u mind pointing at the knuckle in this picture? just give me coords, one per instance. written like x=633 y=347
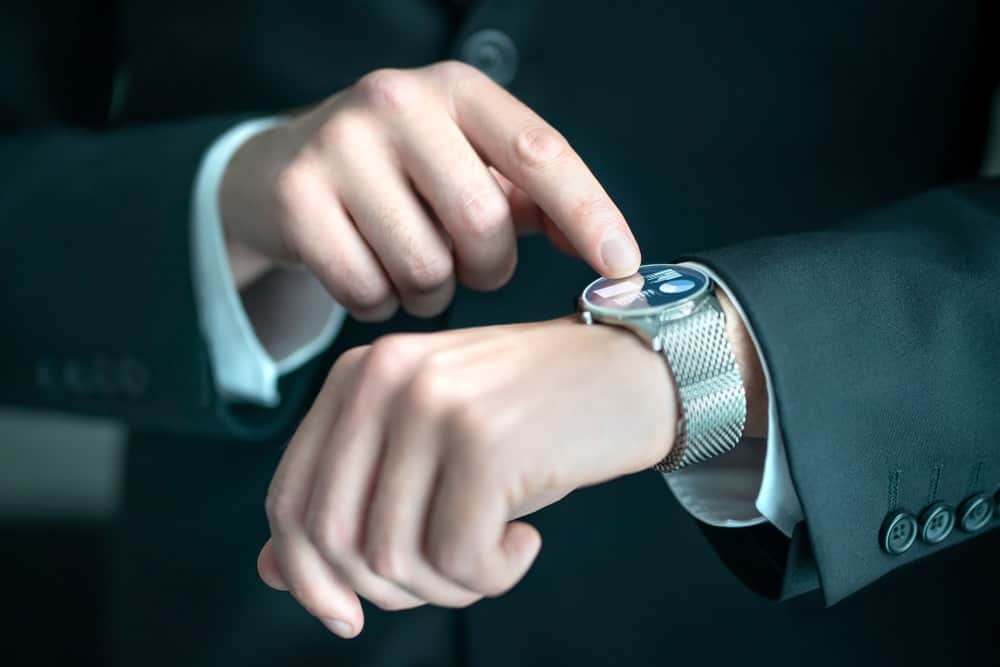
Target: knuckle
x=472 y=428
x=483 y=214
x=386 y=364
x=365 y=291
x=392 y=221
x=467 y=566
x=380 y=313
x=597 y=206
x=294 y=187
x=388 y=355
x=468 y=601
x=280 y=507
x=346 y=363
x=341 y=131
x=330 y=535
x=390 y=90
x=357 y=287
x=387 y=561
x=317 y=604
x=355 y=282
x=427 y=271
x=454 y=71
x=539 y=146
x=430 y=303
x=487 y=281
x=493 y=587
x=392 y=604
x=428 y=392
x=454 y=561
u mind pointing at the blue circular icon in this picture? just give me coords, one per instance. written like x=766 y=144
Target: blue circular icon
x=677 y=286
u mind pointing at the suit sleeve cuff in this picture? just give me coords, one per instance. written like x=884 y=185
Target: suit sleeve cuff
x=750 y=484
x=274 y=326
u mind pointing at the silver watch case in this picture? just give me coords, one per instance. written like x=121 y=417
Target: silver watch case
x=647 y=323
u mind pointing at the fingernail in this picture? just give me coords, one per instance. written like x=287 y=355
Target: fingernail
x=619 y=255
x=339 y=627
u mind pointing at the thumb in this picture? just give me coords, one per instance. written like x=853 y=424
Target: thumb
x=267 y=568
x=520 y=546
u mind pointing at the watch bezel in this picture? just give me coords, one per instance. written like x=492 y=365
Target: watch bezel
x=663 y=313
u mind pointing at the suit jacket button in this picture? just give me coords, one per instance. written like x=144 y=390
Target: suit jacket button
x=493 y=52
x=975 y=512
x=936 y=523
x=898 y=533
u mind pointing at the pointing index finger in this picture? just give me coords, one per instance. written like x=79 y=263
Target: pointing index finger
x=539 y=160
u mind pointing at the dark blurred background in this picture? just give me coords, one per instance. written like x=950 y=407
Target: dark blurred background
x=59 y=480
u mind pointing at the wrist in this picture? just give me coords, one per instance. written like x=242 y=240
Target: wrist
x=652 y=375
x=245 y=264
x=243 y=214
x=705 y=354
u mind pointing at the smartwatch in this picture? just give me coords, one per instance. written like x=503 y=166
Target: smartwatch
x=673 y=308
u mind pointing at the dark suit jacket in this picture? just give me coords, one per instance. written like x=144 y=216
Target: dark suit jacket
x=822 y=157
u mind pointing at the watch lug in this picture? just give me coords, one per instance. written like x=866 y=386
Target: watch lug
x=646 y=328
x=649 y=329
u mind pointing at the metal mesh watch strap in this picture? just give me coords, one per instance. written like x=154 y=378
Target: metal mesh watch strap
x=713 y=403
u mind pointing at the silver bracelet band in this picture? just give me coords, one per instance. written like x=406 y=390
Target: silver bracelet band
x=713 y=402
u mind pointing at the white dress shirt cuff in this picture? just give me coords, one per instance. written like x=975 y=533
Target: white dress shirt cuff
x=750 y=484
x=277 y=324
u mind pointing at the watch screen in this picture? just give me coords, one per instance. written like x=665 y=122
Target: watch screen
x=653 y=286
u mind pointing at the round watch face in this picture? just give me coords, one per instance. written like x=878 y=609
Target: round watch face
x=652 y=288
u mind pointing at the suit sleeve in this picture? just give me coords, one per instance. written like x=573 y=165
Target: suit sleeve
x=881 y=338
x=99 y=315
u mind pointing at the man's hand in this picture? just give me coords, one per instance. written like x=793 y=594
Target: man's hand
x=390 y=189
x=404 y=481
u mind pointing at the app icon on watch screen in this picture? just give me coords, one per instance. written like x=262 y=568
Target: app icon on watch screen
x=653 y=286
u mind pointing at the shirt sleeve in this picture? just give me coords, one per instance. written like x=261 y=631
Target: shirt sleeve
x=276 y=325
x=750 y=484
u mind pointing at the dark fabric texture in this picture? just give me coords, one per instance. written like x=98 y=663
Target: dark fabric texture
x=823 y=157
